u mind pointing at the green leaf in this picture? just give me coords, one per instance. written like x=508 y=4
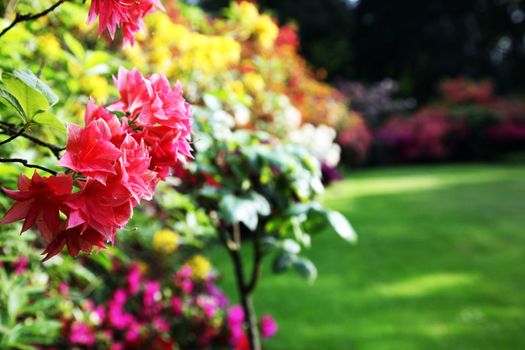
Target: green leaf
x=51 y=120
x=33 y=95
x=74 y=46
x=244 y=209
x=341 y=226
x=305 y=268
x=11 y=102
x=282 y=262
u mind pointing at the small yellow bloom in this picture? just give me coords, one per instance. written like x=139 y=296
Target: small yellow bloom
x=165 y=241
x=49 y=46
x=253 y=82
x=200 y=266
x=96 y=87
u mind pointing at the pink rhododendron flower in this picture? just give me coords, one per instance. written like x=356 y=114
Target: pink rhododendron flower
x=268 y=326
x=39 y=201
x=76 y=239
x=161 y=112
x=126 y=14
x=134 y=170
x=81 y=334
x=89 y=150
x=93 y=112
x=105 y=208
x=117 y=162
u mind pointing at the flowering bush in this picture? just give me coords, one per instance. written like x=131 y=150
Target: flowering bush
x=187 y=311
x=429 y=134
x=115 y=163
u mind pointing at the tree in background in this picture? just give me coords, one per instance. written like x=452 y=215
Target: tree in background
x=415 y=42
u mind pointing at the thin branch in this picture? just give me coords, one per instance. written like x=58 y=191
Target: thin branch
x=257 y=262
x=8 y=128
x=14 y=135
x=244 y=294
x=27 y=165
x=30 y=17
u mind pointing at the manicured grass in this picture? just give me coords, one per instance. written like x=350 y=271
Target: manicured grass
x=440 y=264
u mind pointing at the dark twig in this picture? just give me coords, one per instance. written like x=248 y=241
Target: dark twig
x=26 y=164
x=242 y=287
x=257 y=262
x=8 y=128
x=14 y=135
x=30 y=17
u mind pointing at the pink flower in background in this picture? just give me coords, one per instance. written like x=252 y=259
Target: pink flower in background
x=20 y=265
x=63 y=289
x=134 y=279
x=208 y=305
x=161 y=324
x=39 y=201
x=151 y=293
x=126 y=14
x=235 y=320
x=81 y=334
x=133 y=333
x=176 y=305
x=268 y=327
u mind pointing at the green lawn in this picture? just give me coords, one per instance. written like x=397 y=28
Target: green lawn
x=440 y=264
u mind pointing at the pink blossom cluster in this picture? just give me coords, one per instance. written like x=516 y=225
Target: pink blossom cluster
x=128 y=15
x=140 y=313
x=113 y=163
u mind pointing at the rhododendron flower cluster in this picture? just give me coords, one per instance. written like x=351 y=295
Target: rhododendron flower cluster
x=114 y=163
x=126 y=14
x=189 y=311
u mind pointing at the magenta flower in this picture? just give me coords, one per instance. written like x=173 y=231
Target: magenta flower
x=81 y=334
x=63 y=289
x=177 y=305
x=126 y=14
x=151 y=293
x=134 y=279
x=20 y=265
x=133 y=333
x=235 y=320
x=268 y=327
x=208 y=305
